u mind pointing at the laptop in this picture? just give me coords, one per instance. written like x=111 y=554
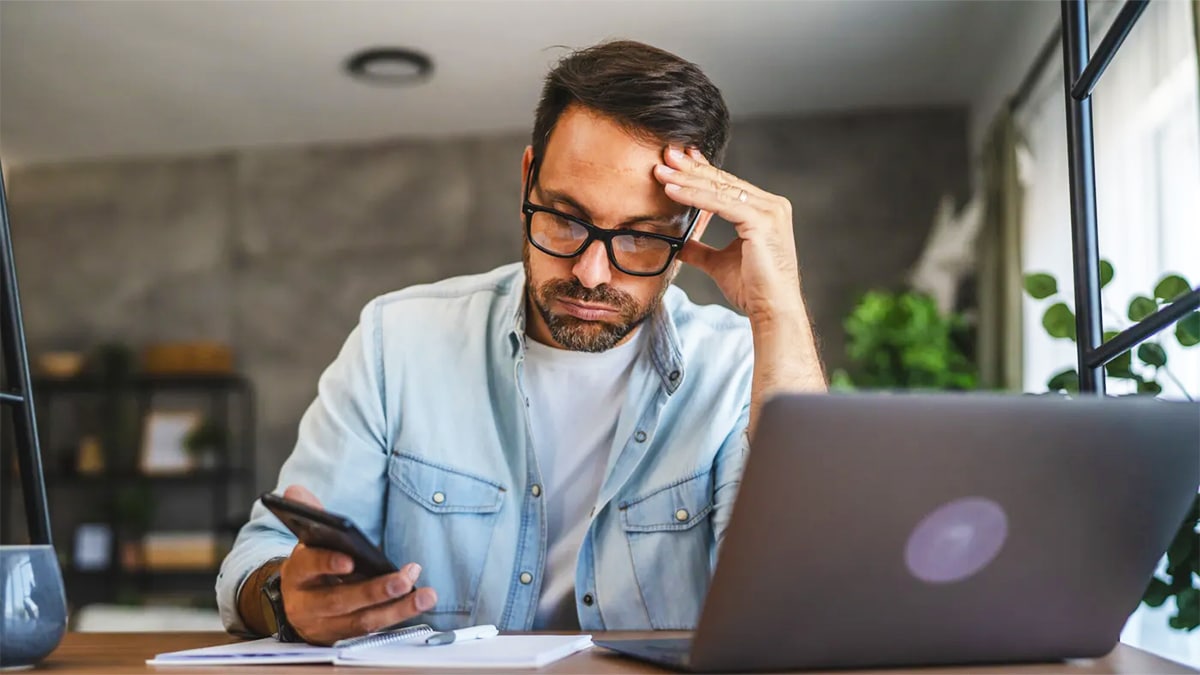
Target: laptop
x=913 y=530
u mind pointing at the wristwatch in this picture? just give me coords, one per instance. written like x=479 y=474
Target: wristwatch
x=272 y=609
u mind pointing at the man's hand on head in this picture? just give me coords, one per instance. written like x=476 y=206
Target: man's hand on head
x=757 y=272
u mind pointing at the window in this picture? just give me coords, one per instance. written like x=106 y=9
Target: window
x=1147 y=128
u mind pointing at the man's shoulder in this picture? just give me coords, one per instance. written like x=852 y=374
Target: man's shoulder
x=452 y=295
x=705 y=322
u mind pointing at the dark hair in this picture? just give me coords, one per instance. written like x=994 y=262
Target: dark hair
x=649 y=91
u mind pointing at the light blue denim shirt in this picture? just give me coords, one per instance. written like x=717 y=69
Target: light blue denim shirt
x=420 y=434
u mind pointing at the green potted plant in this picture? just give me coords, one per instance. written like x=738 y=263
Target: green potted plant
x=1146 y=373
x=207 y=442
x=899 y=340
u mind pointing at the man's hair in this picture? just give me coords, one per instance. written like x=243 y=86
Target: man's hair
x=652 y=93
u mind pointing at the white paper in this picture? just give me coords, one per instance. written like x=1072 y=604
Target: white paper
x=506 y=651
x=254 y=652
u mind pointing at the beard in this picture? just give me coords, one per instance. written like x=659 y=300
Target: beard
x=582 y=335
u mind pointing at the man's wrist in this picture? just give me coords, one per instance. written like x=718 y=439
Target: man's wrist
x=782 y=321
x=249 y=602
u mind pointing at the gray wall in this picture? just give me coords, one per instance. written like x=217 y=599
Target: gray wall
x=275 y=251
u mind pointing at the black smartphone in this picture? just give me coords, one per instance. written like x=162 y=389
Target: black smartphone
x=323 y=529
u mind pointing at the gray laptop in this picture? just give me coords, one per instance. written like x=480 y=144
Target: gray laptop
x=898 y=530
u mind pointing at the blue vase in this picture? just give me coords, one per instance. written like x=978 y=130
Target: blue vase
x=34 y=605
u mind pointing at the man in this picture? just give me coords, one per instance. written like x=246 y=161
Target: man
x=556 y=444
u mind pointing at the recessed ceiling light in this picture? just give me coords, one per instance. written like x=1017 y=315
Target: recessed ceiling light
x=390 y=65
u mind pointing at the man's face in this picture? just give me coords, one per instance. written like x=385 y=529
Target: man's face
x=596 y=171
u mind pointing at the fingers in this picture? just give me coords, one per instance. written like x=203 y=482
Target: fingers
x=348 y=598
x=371 y=619
x=302 y=494
x=694 y=164
x=323 y=614
x=309 y=566
x=690 y=180
x=724 y=203
x=699 y=254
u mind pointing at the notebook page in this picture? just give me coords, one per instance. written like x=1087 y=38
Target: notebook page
x=254 y=652
x=506 y=651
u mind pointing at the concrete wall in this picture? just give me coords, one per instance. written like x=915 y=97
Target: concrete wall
x=276 y=251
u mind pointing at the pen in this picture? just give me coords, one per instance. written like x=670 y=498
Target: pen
x=473 y=633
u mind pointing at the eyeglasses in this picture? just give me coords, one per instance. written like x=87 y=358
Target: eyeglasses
x=634 y=252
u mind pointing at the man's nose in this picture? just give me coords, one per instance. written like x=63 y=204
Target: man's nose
x=592 y=267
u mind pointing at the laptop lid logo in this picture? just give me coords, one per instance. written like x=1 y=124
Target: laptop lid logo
x=956 y=540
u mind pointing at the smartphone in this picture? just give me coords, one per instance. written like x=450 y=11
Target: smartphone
x=323 y=529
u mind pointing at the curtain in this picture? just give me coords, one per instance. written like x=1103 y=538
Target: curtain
x=998 y=286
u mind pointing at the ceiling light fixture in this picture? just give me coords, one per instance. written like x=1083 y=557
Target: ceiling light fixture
x=390 y=66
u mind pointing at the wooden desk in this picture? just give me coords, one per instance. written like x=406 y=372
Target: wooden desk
x=110 y=653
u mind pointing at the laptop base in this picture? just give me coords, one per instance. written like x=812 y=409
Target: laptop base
x=670 y=652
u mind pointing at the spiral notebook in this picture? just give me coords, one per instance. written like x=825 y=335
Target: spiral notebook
x=402 y=648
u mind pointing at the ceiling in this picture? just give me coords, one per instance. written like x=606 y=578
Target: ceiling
x=102 y=79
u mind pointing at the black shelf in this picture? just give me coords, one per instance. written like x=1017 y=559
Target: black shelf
x=205 y=574
x=156 y=383
x=211 y=499
x=201 y=477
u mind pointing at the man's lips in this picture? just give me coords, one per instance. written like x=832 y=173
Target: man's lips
x=586 y=311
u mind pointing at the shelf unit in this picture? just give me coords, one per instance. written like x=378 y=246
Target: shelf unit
x=209 y=500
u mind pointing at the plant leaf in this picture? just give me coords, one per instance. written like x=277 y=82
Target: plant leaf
x=1141 y=307
x=1156 y=593
x=1188 y=597
x=1040 y=285
x=1121 y=367
x=1106 y=273
x=1182 y=547
x=1170 y=287
x=1184 y=623
x=1067 y=380
x=1059 y=321
x=841 y=381
x=1149 y=387
x=1152 y=354
x=1187 y=330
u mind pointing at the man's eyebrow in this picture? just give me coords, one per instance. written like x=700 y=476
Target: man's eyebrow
x=650 y=219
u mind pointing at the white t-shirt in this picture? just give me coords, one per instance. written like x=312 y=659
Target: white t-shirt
x=575 y=399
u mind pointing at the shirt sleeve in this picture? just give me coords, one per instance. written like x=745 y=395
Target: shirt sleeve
x=731 y=460
x=340 y=455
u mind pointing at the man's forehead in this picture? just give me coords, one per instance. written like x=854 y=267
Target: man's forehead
x=585 y=143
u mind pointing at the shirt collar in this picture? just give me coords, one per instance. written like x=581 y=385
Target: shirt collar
x=664 y=349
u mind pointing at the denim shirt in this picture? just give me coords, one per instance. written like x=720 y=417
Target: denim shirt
x=420 y=434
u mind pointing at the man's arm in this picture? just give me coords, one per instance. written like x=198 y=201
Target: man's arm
x=785 y=358
x=340 y=456
x=758 y=272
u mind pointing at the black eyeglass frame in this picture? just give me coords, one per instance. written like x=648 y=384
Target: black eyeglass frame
x=599 y=233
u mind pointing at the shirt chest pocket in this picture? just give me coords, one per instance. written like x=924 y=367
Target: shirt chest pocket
x=442 y=518
x=670 y=542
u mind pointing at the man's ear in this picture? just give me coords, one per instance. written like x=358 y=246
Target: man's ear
x=526 y=161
